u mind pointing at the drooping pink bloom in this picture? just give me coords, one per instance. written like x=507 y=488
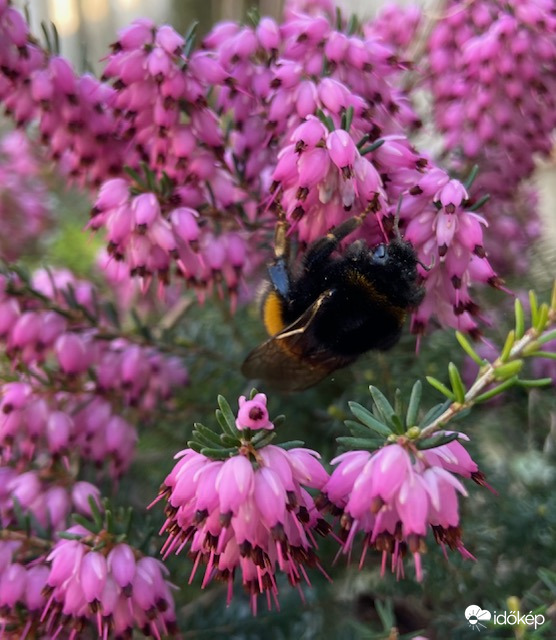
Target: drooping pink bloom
x=394 y=495
x=103 y=375
x=251 y=512
x=113 y=588
x=24 y=204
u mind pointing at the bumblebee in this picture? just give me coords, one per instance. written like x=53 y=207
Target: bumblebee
x=333 y=308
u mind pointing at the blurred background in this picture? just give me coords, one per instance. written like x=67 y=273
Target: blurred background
x=89 y=26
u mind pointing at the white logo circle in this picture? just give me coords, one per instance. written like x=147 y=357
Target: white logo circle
x=475 y=616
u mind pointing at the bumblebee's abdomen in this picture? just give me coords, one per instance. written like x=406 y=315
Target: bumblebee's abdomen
x=273 y=313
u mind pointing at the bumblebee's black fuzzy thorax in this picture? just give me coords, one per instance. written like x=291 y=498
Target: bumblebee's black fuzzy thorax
x=335 y=307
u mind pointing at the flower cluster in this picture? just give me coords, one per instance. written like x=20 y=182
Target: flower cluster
x=71 y=397
x=88 y=583
x=68 y=329
x=74 y=384
x=44 y=496
x=395 y=494
x=74 y=120
x=21 y=590
x=24 y=207
x=250 y=512
x=107 y=588
x=492 y=71
x=155 y=83
x=149 y=235
x=397 y=25
x=321 y=175
x=197 y=195
x=449 y=239
x=235 y=501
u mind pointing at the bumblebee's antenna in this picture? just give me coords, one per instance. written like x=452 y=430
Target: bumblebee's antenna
x=396 y=226
x=431 y=265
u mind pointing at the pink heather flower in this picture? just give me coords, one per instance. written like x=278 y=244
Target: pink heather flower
x=35 y=419
x=250 y=512
x=449 y=239
x=72 y=353
x=81 y=494
x=395 y=24
x=395 y=494
x=253 y=414
x=342 y=150
x=48 y=500
x=21 y=585
x=319 y=184
x=109 y=590
x=24 y=204
x=489 y=86
x=493 y=102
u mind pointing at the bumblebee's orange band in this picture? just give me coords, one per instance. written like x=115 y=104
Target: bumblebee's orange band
x=272 y=314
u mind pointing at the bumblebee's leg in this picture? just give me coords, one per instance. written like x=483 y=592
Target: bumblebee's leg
x=321 y=249
x=279 y=277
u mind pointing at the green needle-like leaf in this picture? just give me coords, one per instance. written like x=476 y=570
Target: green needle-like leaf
x=207 y=433
x=372 y=147
x=519 y=319
x=204 y=441
x=439 y=386
x=457 y=383
x=433 y=413
x=468 y=348
x=508 y=370
x=491 y=393
x=228 y=416
x=534 y=305
x=436 y=441
x=385 y=409
x=551 y=355
x=85 y=522
x=95 y=512
x=471 y=177
x=357 y=429
x=266 y=438
x=367 y=418
x=532 y=384
x=510 y=341
x=347 y=118
x=547 y=337
x=291 y=444
x=414 y=403
x=218 y=454
x=364 y=444
x=542 y=319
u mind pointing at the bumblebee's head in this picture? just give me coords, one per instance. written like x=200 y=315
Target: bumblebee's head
x=393 y=270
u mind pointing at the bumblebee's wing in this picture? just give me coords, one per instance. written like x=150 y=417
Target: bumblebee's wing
x=293 y=359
